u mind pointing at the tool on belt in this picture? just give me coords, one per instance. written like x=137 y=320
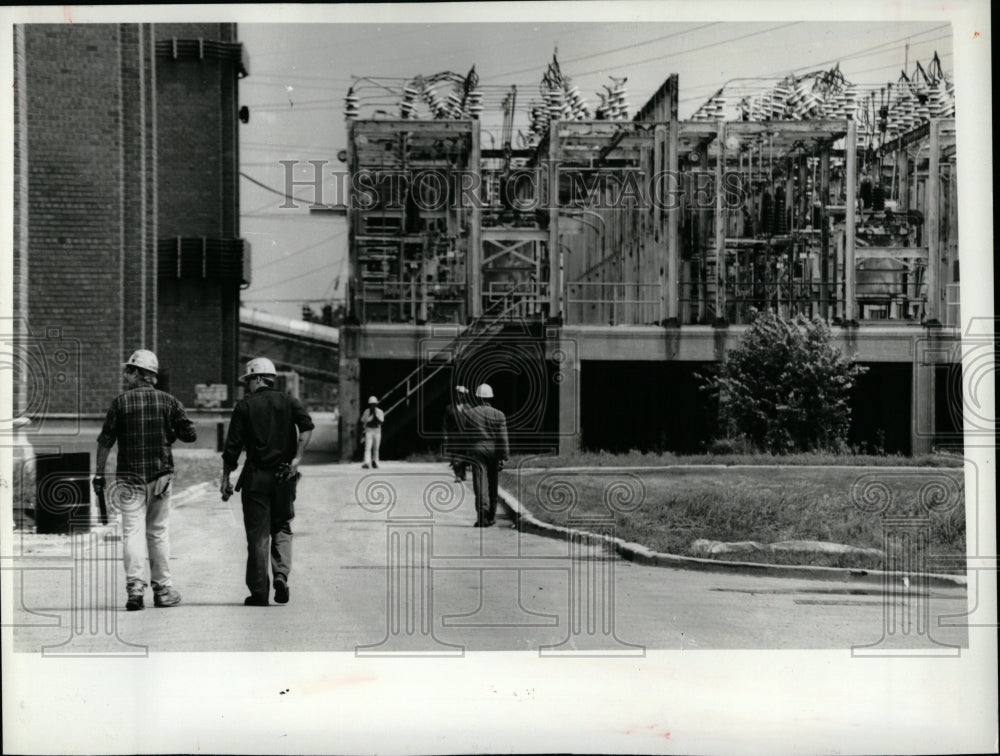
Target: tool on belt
x=101 y=501
x=287 y=482
x=283 y=474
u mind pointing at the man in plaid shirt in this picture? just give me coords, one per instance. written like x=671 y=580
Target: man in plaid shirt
x=144 y=422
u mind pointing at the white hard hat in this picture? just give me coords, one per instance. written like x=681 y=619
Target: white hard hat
x=143 y=358
x=461 y=390
x=373 y=399
x=484 y=391
x=259 y=366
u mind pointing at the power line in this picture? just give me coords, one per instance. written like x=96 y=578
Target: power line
x=312 y=272
x=303 y=300
x=280 y=193
x=285 y=215
x=300 y=251
x=859 y=54
x=607 y=52
x=317 y=107
x=690 y=50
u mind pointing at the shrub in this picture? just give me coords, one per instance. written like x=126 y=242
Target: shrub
x=785 y=387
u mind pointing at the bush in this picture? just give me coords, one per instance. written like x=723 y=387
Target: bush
x=785 y=387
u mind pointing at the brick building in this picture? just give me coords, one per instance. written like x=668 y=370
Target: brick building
x=126 y=209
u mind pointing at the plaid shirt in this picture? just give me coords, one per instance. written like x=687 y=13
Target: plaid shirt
x=145 y=422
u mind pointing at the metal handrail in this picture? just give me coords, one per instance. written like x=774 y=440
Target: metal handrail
x=489 y=317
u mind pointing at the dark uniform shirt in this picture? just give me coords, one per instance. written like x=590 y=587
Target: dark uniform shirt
x=488 y=431
x=264 y=424
x=145 y=422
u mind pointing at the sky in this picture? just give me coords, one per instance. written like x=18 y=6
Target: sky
x=299 y=74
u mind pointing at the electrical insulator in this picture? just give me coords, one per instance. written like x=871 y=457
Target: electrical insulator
x=351 y=110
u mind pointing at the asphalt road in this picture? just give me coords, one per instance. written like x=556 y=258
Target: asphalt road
x=387 y=562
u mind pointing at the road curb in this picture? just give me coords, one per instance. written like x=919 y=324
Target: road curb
x=635 y=552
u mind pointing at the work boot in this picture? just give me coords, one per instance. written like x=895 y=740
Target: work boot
x=280 y=590
x=135 y=597
x=166 y=597
x=255 y=601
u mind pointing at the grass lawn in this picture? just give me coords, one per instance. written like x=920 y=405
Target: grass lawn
x=652 y=459
x=676 y=507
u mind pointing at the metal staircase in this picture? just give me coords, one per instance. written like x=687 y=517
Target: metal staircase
x=493 y=320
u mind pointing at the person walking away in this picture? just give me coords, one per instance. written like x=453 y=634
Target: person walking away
x=453 y=430
x=489 y=451
x=144 y=422
x=273 y=429
x=372 y=419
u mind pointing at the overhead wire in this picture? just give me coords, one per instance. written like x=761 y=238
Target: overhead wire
x=301 y=251
x=290 y=197
x=311 y=272
x=598 y=54
x=875 y=50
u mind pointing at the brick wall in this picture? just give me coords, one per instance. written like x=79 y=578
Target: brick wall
x=115 y=149
x=87 y=256
x=198 y=170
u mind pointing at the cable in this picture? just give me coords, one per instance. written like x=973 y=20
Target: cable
x=312 y=272
x=859 y=54
x=280 y=193
x=607 y=52
x=304 y=300
x=299 y=251
x=690 y=50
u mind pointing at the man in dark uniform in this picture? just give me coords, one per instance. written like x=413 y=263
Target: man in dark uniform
x=488 y=449
x=264 y=424
x=453 y=429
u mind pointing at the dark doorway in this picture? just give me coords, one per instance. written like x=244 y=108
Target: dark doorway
x=881 y=409
x=523 y=382
x=646 y=406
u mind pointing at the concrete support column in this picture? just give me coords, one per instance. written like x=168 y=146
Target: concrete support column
x=349 y=392
x=570 y=430
x=922 y=412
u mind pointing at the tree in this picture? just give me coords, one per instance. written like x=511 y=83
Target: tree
x=785 y=386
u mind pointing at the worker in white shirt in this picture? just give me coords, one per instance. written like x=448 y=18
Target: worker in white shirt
x=371 y=420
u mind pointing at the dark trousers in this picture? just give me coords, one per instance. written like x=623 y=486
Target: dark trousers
x=487 y=465
x=269 y=532
x=458 y=459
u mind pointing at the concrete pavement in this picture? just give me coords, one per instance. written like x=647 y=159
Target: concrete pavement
x=386 y=562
